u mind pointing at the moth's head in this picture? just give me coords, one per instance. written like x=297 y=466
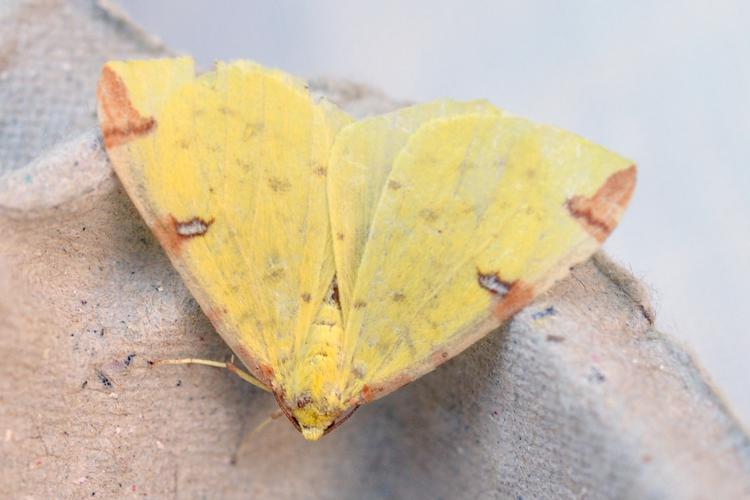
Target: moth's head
x=314 y=419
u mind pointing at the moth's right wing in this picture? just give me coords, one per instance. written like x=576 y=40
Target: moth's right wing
x=480 y=213
x=361 y=160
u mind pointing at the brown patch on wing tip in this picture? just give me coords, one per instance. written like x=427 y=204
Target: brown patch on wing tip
x=599 y=214
x=172 y=233
x=519 y=296
x=120 y=121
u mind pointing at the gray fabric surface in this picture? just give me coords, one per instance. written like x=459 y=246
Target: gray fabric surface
x=51 y=53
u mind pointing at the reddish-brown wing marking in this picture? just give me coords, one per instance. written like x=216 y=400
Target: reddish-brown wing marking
x=510 y=297
x=600 y=213
x=120 y=121
x=172 y=233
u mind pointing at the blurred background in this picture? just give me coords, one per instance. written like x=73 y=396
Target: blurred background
x=664 y=83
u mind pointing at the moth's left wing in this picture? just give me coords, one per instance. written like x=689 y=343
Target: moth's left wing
x=228 y=169
x=480 y=214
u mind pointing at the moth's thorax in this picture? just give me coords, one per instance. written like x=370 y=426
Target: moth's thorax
x=311 y=382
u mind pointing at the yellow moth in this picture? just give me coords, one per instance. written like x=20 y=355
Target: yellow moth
x=342 y=259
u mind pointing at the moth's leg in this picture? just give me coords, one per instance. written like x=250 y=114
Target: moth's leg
x=229 y=365
x=248 y=437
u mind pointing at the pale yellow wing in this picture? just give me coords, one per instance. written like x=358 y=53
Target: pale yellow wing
x=228 y=169
x=361 y=160
x=479 y=215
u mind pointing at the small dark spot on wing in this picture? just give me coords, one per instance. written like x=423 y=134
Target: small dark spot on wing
x=493 y=283
x=323 y=322
x=193 y=227
x=251 y=129
x=332 y=297
x=279 y=185
x=428 y=215
x=358 y=372
x=274 y=274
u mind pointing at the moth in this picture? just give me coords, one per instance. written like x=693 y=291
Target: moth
x=342 y=259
